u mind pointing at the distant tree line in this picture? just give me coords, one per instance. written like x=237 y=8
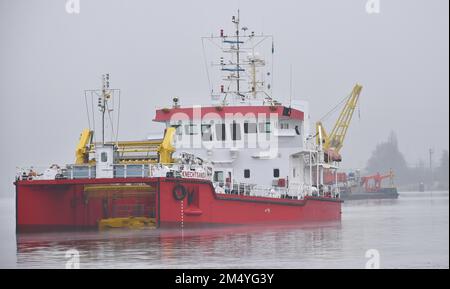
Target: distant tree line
x=387 y=156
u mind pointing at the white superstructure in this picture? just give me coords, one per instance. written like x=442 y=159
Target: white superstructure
x=253 y=141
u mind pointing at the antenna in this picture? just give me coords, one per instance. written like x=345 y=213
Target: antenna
x=239 y=64
x=238 y=52
x=103 y=102
x=108 y=103
x=290 y=87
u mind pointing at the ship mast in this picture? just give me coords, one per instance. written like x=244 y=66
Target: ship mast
x=108 y=104
x=242 y=65
x=238 y=52
x=103 y=102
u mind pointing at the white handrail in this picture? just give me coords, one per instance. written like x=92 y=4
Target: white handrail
x=87 y=171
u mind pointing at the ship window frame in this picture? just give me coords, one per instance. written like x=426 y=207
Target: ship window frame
x=210 y=133
x=178 y=129
x=284 y=125
x=276 y=173
x=103 y=157
x=247 y=174
x=235 y=130
x=265 y=127
x=250 y=127
x=191 y=129
x=220 y=127
x=216 y=178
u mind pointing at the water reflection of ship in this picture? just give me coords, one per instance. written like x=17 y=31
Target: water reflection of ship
x=421 y=187
x=169 y=247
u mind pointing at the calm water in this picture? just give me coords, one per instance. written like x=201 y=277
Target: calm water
x=411 y=232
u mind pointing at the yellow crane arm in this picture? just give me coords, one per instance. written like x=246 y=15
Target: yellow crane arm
x=333 y=142
x=166 y=148
x=321 y=133
x=81 y=151
x=337 y=135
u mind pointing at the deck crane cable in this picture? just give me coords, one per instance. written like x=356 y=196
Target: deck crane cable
x=87 y=109
x=112 y=123
x=359 y=110
x=206 y=66
x=93 y=118
x=335 y=108
x=118 y=121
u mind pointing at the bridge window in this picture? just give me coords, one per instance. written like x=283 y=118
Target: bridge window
x=191 y=129
x=264 y=127
x=220 y=132
x=247 y=173
x=250 y=127
x=206 y=132
x=178 y=129
x=235 y=131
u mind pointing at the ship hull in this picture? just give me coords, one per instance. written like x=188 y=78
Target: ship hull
x=383 y=193
x=81 y=204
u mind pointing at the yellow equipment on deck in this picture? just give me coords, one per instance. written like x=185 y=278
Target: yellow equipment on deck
x=117 y=192
x=81 y=152
x=130 y=152
x=166 y=148
x=333 y=142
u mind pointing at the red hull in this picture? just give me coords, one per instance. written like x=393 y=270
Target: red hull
x=57 y=204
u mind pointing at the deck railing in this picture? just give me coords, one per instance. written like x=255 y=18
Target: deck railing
x=119 y=171
x=293 y=191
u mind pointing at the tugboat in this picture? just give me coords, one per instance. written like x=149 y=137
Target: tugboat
x=244 y=159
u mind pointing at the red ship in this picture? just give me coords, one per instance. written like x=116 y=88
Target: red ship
x=245 y=159
x=64 y=204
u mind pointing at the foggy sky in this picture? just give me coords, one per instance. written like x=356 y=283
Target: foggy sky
x=152 y=49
